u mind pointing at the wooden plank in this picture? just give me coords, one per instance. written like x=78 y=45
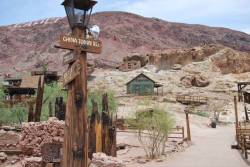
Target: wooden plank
x=69 y=58
x=12 y=152
x=87 y=45
x=49 y=165
x=72 y=73
x=51 y=152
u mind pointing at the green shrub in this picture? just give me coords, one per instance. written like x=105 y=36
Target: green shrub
x=51 y=92
x=153 y=128
x=97 y=96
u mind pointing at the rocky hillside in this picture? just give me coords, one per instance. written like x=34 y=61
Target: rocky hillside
x=28 y=46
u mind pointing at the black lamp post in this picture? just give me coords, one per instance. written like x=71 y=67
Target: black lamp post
x=78 y=12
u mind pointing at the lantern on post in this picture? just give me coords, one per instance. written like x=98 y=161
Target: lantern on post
x=78 y=12
x=75 y=147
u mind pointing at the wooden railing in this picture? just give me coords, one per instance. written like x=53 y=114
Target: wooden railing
x=243 y=137
x=176 y=133
x=187 y=99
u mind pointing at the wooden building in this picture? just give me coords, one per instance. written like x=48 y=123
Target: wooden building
x=130 y=65
x=246 y=94
x=49 y=76
x=143 y=85
x=20 y=88
x=241 y=89
x=13 y=81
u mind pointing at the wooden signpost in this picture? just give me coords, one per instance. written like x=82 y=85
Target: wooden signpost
x=72 y=73
x=89 y=45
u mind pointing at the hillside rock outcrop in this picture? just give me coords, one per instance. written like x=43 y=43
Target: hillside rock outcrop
x=230 y=61
x=22 y=46
x=167 y=59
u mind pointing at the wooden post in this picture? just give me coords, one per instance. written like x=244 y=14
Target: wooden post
x=112 y=134
x=236 y=112
x=31 y=113
x=75 y=148
x=108 y=129
x=39 y=99
x=60 y=108
x=105 y=125
x=188 y=125
x=50 y=109
x=236 y=119
x=98 y=128
x=247 y=117
x=92 y=129
x=182 y=131
x=56 y=107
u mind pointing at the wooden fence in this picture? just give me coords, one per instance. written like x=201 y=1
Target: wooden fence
x=187 y=99
x=176 y=133
x=243 y=137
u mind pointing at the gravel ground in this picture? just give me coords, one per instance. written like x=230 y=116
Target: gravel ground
x=210 y=148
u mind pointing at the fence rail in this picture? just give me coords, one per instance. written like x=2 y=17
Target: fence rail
x=176 y=133
x=187 y=99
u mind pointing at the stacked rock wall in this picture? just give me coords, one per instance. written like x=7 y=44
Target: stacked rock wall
x=34 y=135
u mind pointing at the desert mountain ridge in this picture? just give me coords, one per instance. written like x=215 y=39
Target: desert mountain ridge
x=27 y=46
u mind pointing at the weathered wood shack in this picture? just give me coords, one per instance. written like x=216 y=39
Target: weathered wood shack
x=142 y=85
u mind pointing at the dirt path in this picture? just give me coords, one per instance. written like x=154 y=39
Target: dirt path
x=211 y=148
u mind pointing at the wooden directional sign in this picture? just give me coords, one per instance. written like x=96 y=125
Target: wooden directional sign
x=69 y=58
x=88 y=45
x=72 y=73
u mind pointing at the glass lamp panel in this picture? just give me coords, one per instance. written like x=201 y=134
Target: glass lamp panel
x=70 y=13
x=79 y=17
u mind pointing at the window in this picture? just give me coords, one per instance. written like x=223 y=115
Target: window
x=129 y=66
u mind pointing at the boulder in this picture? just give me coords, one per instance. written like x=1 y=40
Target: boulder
x=102 y=160
x=3 y=157
x=194 y=80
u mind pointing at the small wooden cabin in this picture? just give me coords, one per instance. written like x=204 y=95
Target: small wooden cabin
x=142 y=85
x=49 y=76
x=21 y=88
x=130 y=65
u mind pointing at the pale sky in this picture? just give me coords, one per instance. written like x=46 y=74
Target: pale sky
x=234 y=14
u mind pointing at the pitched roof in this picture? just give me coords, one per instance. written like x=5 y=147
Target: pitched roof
x=141 y=74
x=13 y=79
x=30 y=82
